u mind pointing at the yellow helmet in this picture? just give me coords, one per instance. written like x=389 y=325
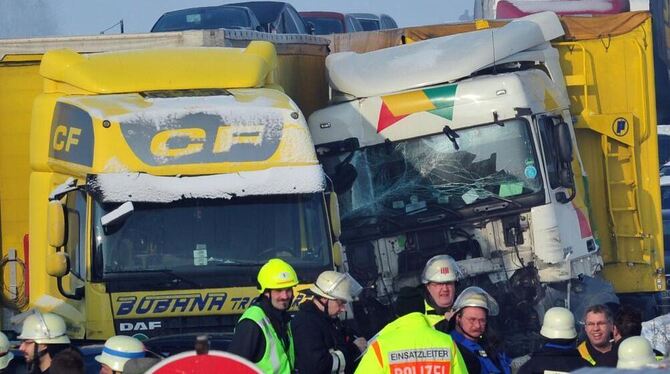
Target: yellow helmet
x=276 y=274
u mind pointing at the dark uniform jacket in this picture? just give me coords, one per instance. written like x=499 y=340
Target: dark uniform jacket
x=607 y=359
x=314 y=334
x=249 y=341
x=554 y=356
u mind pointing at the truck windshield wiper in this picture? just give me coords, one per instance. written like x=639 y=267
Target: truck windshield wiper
x=176 y=278
x=373 y=220
x=233 y=262
x=502 y=204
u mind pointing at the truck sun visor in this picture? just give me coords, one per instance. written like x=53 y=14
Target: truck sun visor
x=121 y=187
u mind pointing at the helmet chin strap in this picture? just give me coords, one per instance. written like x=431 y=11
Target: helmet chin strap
x=462 y=330
x=34 y=365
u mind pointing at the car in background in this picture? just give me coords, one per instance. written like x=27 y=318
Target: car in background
x=665 y=169
x=326 y=23
x=372 y=22
x=276 y=17
x=211 y=17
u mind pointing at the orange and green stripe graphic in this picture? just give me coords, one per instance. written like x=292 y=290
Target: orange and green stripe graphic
x=438 y=101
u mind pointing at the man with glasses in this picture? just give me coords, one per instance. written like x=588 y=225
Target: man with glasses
x=321 y=343
x=597 y=348
x=469 y=329
x=439 y=278
x=42 y=337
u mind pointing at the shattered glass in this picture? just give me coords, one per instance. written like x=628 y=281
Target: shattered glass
x=493 y=163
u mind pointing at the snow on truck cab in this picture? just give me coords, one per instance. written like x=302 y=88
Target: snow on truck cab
x=466 y=144
x=170 y=176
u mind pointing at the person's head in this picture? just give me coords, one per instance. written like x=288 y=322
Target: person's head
x=472 y=308
x=67 y=361
x=276 y=280
x=332 y=291
x=439 y=276
x=627 y=323
x=598 y=325
x=42 y=335
x=117 y=351
x=558 y=323
x=634 y=353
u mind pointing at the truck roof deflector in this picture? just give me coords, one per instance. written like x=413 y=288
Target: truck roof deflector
x=438 y=60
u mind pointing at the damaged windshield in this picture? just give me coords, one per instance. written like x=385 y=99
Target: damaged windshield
x=411 y=178
x=198 y=238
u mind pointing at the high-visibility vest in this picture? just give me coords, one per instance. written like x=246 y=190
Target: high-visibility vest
x=410 y=344
x=429 y=312
x=584 y=352
x=276 y=359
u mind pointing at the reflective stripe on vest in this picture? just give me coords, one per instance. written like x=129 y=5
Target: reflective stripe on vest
x=339 y=362
x=584 y=352
x=275 y=359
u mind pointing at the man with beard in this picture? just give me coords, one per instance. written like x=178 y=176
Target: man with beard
x=439 y=278
x=597 y=348
x=321 y=344
x=468 y=328
x=263 y=335
x=42 y=337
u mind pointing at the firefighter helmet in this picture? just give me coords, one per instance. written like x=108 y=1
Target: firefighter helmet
x=276 y=274
x=44 y=328
x=440 y=269
x=559 y=323
x=118 y=350
x=336 y=286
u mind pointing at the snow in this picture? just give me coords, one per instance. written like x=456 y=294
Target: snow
x=657 y=331
x=437 y=60
x=122 y=187
x=562 y=6
x=663 y=130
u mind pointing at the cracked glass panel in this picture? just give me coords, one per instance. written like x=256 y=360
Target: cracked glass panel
x=493 y=164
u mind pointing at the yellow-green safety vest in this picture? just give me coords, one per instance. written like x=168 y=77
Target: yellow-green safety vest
x=410 y=344
x=434 y=319
x=276 y=359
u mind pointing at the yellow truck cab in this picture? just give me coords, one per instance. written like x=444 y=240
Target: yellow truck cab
x=161 y=180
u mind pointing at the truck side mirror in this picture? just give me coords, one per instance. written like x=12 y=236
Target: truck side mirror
x=56 y=224
x=58 y=264
x=334 y=210
x=564 y=141
x=338 y=257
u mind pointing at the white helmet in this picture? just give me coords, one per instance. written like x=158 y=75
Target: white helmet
x=477 y=297
x=336 y=286
x=4 y=351
x=634 y=353
x=44 y=328
x=440 y=269
x=119 y=349
x=559 y=323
